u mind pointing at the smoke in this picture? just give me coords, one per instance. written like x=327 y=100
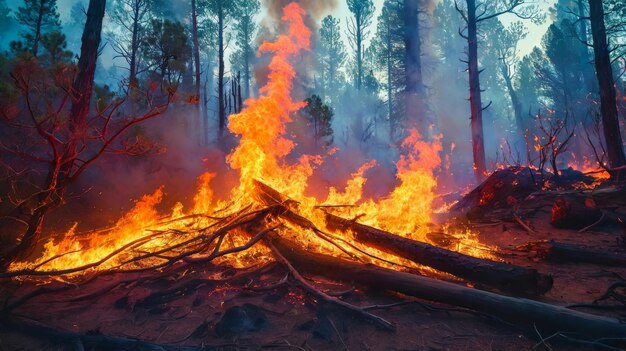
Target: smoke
x=315 y=10
x=272 y=26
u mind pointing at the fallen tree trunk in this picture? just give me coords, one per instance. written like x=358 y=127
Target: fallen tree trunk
x=574 y=213
x=556 y=251
x=522 y=312
x=507 y=277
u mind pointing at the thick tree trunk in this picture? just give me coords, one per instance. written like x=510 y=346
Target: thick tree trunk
x=528 y=314
x=83 y=84
x=476 y=107
x=220 y=69
x=604 y=73
x=504 y=276
x=414 y=89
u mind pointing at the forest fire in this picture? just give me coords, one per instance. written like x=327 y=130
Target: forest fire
x=143 y=234
x=291 y=237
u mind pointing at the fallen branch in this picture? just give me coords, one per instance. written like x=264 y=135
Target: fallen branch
x=522 y=223
x=313 y=290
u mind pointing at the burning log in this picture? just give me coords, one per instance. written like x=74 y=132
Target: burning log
x=574 y=213
x=519 y=311
x=504 y=276
x=552 y=250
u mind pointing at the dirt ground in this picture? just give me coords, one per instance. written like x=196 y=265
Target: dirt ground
x=226 y=309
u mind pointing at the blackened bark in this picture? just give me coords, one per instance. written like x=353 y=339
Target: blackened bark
x=604 y=73
x=476 y=107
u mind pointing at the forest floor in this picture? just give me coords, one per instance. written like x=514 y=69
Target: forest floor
x=226 y=309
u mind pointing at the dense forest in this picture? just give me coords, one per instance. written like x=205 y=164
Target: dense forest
x=409 y=104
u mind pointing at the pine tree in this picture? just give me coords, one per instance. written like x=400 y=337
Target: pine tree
x=221 y=12
x=320 y=117
x=388 y=48
x=131 y=16
x=38 y=17
x=358 y=31
x=243 y=58
x=332 y=56
x=166 y=47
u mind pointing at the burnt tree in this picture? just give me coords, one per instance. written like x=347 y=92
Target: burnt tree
x=473 y=14
x=604 y=73
x=60 y=169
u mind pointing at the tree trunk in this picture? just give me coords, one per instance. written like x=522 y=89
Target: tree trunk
x=197 y=123
x=413 y=65
x=528 y=314
x=220 y=73
x=604 y=73
x=134 y=46
x=584 y=50
x=515 y=102
x=388 y=49
x=476 y=107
